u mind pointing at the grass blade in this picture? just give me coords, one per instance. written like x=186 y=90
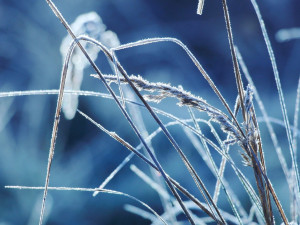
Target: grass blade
x=107 y=191
x=130 y=148
x=55 y=128
x=65 y=24
x=280 y=92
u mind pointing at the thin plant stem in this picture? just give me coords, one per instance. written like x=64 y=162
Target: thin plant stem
x=140 y=155
x=68 y=28
x=280 y=92
x=107 y=191
x=55 y=129
x=194 y=60
x=215 y=170
x=190 y=168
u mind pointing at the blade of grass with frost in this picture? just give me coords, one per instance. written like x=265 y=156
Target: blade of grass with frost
x=190 y=168
x=254 y=128
x=247 y=186
x=194 y=60
x=232 y=199
x=270 y=186
x=236 y=68
x=107 y=191
x=241 y=100
x=125 y=113
x=294 y=206
x=134 y=111
x=199 y=183
x=280 y=92
x=128 y=158
x=242 y=178
x=55 y=129
x=107 y=96
x=185 y=99
x=265 y=115
x=51 y=92
x=121 y=69
x=86 y=93
x=228 y=192
x=8 y=94
x=214 y=167
x=55 y=126
x=226 y=148
x=296 y=119
x=270 y=127
x=65 y=24
x=97 y=94
x=177 y=121
x=268 y=122
x=169 y=91
x=244 y=181
x=265 y=200
x=129 y=147
x=136 y=115
x=210 y=163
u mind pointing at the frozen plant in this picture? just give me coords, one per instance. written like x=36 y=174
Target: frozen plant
x=89 y=24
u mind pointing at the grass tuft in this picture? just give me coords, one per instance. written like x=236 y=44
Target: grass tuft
x=216 y=134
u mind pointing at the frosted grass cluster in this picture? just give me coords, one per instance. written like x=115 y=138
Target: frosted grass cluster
x=245 y=133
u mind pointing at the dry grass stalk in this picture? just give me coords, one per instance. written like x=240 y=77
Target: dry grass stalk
x=251 y=144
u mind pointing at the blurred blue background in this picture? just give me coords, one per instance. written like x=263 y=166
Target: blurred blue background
x=30 y=38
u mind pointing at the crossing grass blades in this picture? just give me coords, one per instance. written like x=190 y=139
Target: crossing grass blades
x=245 y=134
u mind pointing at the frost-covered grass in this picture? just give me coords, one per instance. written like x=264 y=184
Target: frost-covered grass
x=216 y=134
